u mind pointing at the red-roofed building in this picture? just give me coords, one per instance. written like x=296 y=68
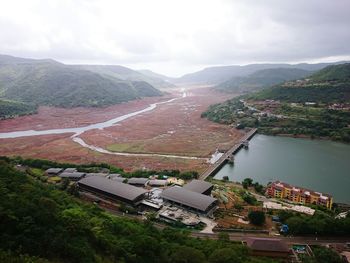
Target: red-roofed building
x=267 y=247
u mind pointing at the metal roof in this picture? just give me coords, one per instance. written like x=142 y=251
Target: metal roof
x=113 y=187
x=137 y=180
x=53 y=170
x=267 y=244
x=186 y=197
x=198 y=186
x=70 y=170
x=157 y=182
x=71 y=175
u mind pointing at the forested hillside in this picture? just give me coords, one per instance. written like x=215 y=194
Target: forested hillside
x=47 y=82
x=42 y=223
x=261 y=79
x=329 y=85
x=10 y=108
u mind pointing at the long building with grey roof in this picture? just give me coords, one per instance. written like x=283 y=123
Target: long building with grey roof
x=195 y=201
x=112 y=189
x=75 y=176
x=199 y=186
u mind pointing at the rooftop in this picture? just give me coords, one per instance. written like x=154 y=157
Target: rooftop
x=71 y=175
x=198 y=186
x=53 y=170
x=188 y=198
x=158 y=182
x=267 y=244
x=136 y=180
x=113 y=187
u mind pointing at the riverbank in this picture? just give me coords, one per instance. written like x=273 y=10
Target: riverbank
x=275 y=117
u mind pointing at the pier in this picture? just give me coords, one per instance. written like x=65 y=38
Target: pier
x=229 y=155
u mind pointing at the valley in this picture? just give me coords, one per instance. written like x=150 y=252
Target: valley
x=174 y=128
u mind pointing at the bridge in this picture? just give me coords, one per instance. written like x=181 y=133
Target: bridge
x=228 y=155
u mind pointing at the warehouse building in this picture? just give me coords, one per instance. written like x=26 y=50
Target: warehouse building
x=136 y=181
x=197 y=202
x=199 y=186
x=53 y=171
x=112 y=189
x=157 y=183
x=75 y=176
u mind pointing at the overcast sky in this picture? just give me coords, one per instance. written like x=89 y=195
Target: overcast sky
x=178 y=36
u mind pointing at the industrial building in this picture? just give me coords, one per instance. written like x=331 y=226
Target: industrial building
x=199 y=186
x=191 y=200
x=75 y=176
x=138 y=181
x=53 y=171
x=112 y=189
x=157 y=183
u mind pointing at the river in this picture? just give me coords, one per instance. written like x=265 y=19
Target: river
x=322 y=166
x=79 y=130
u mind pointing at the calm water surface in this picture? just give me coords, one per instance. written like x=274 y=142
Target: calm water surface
x=319 y=165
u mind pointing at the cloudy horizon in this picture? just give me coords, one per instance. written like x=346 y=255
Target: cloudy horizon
x=176 y=37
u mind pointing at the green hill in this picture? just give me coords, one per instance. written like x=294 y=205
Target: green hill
x=46 y=82
x=329 y=85
x=10 y=109
x=261 y=79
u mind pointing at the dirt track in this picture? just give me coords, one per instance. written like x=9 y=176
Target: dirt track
x=175 y=128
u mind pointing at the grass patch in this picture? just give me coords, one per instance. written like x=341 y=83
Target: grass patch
x=136 y=147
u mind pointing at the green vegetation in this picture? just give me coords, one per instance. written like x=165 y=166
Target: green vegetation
x=261 y=79
x=284 y=109
x=10 y=109
x=321 y=223
x=33 y=83
x=329 y=85
x=247 y=182
x=323 y=255
x=257 y=218
x=41 y=223
x=248 y=198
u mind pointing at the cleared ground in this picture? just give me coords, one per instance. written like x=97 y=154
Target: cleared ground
x=175 y=128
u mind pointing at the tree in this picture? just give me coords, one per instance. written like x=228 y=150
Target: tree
x=257 y=217
x=259 y=188
x=187 y=255
x=226 y=255
x=247 y=182
x=248 y=198
x=223 y=236
x=326 y=255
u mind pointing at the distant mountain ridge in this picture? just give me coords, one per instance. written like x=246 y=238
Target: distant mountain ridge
x=124 y=73
x=216 y=75
x=261 y=79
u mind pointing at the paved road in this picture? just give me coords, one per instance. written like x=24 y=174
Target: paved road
x=290 y=240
